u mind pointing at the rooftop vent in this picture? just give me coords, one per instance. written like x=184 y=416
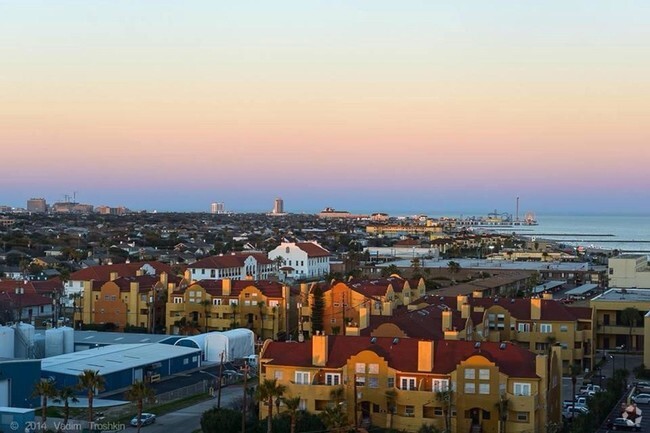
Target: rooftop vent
x=395 y=340
x=477 y=345
x=373 y=340
x=502 y=346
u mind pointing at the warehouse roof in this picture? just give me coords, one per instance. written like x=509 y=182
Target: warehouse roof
x=111 y=359
x=95 y=337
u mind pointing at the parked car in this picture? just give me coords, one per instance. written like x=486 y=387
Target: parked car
x=623 y=424
x=641 y=399
x=145 y=419
x=570 y=412
x=590 y=388
x=642 y=387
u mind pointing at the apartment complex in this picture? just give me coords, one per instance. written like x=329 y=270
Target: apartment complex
x=266 y=307
x=629 y=271
x=401 y=383
x=612 y=330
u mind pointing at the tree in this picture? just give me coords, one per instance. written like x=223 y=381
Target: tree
x=221 y=420
x=502 y=408
x=389 y=270
x=391 y=400
x=206 y=305
x=630 y=317
x=416 y=269
x=138 y=393
x=574 y=372
x=317 y=309
x=92 y=382
x=293 y=405
x=454 y=267
x=44 y=389
x=446 y=397
x=66 y=395
x=267 y=391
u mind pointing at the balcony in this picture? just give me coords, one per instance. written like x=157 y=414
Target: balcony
x=618 y=330
x=523 y=403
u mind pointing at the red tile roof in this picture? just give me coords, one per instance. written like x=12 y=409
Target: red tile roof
x=312 y=249
x=103 y=272
x=35 y=287
x=271 y=289
x=25 y=300
x=403 y=356
x=235 y=260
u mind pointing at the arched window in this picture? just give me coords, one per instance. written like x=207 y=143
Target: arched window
x=287 y=250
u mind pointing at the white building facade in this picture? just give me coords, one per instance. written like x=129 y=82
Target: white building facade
x=301 y=260
x=236 y=266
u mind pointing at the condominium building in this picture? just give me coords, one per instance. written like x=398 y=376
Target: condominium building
x=278 y=206
x=402 y=383
x=266 y=307
x=36 y=205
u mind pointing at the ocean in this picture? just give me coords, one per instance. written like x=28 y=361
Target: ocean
x=627 y=233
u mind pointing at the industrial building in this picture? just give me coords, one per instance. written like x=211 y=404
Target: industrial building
x=122 y=364
x=17 y=380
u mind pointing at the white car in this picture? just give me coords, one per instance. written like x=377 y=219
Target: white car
x=641 y=398
x=145 y=419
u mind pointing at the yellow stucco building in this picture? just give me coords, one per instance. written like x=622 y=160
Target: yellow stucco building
x=401 y=383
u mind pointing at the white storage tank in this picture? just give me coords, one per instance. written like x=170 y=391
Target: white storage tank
x=68 y=339
x=53 y=342
x=24 y=340
x=6 y=342
x=215 y=344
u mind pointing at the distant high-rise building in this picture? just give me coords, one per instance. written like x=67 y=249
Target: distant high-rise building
x=278 y=206
x=217 y=207
x=37 y=205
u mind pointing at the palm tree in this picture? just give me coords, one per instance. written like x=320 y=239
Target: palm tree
x=293 y=405
x=503 y=407
x=44 y=389
x=65 y=396
x=206 y=304
x=92 y=382
x=391 y=400
x=138 y=393
x=446 y=396
x=574 y=371
x=630 y=317
x=334 y=418
x=267 y=391
x=261 y=307
x=454 y=267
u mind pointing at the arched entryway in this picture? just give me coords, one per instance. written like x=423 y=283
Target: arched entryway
x=479 y=419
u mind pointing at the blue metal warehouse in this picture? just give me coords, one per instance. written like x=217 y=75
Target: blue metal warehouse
x=122 y=364
x=17 y=380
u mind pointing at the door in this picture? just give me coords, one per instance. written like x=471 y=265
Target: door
x=4 y=393
x=137 y=375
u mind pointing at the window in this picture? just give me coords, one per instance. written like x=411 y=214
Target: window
x=470 y=388
x=332 y=379
x=484 y=374
x=216 y=301
x=564 y=328
x=545 y=328
x=470 y=373
x=302 y=377
x=484 y=388
x=408 y=383
x=178 y=300
x=440 y=385
x=522 y=388
x=234 y=302
x=360 y=367
x=303 y=405
x=278 y=375
x=390 y=382
x=523 y=327
x=522 y=416
x=373 y=368
x=437 y=411
x=409 y=410
x=274 y=303
x=373 y=382
x=360 y=380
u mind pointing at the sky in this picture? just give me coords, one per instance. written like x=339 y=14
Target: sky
x=391 y=106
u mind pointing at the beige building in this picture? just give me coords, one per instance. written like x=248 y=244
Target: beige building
x=402 y=383
x=629 y=271
x=611 y=331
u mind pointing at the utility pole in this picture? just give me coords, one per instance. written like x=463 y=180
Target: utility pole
x=243 y=414
x=220 y=381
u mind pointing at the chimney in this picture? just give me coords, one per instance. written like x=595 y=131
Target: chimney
x=164 y=278
x=535 y=308
x=446 y=320
x=139 y=273
x=547 y=296
x=465 y=311
x=304 y=290
x=226 y=286
x=425 y=356
x=477 y=294
x=188 y=275
x=319 y=350
x=364 y=317
x=113 y=276
x=460 y=301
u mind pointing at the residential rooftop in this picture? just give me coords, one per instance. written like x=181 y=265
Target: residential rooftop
x=624 y=295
